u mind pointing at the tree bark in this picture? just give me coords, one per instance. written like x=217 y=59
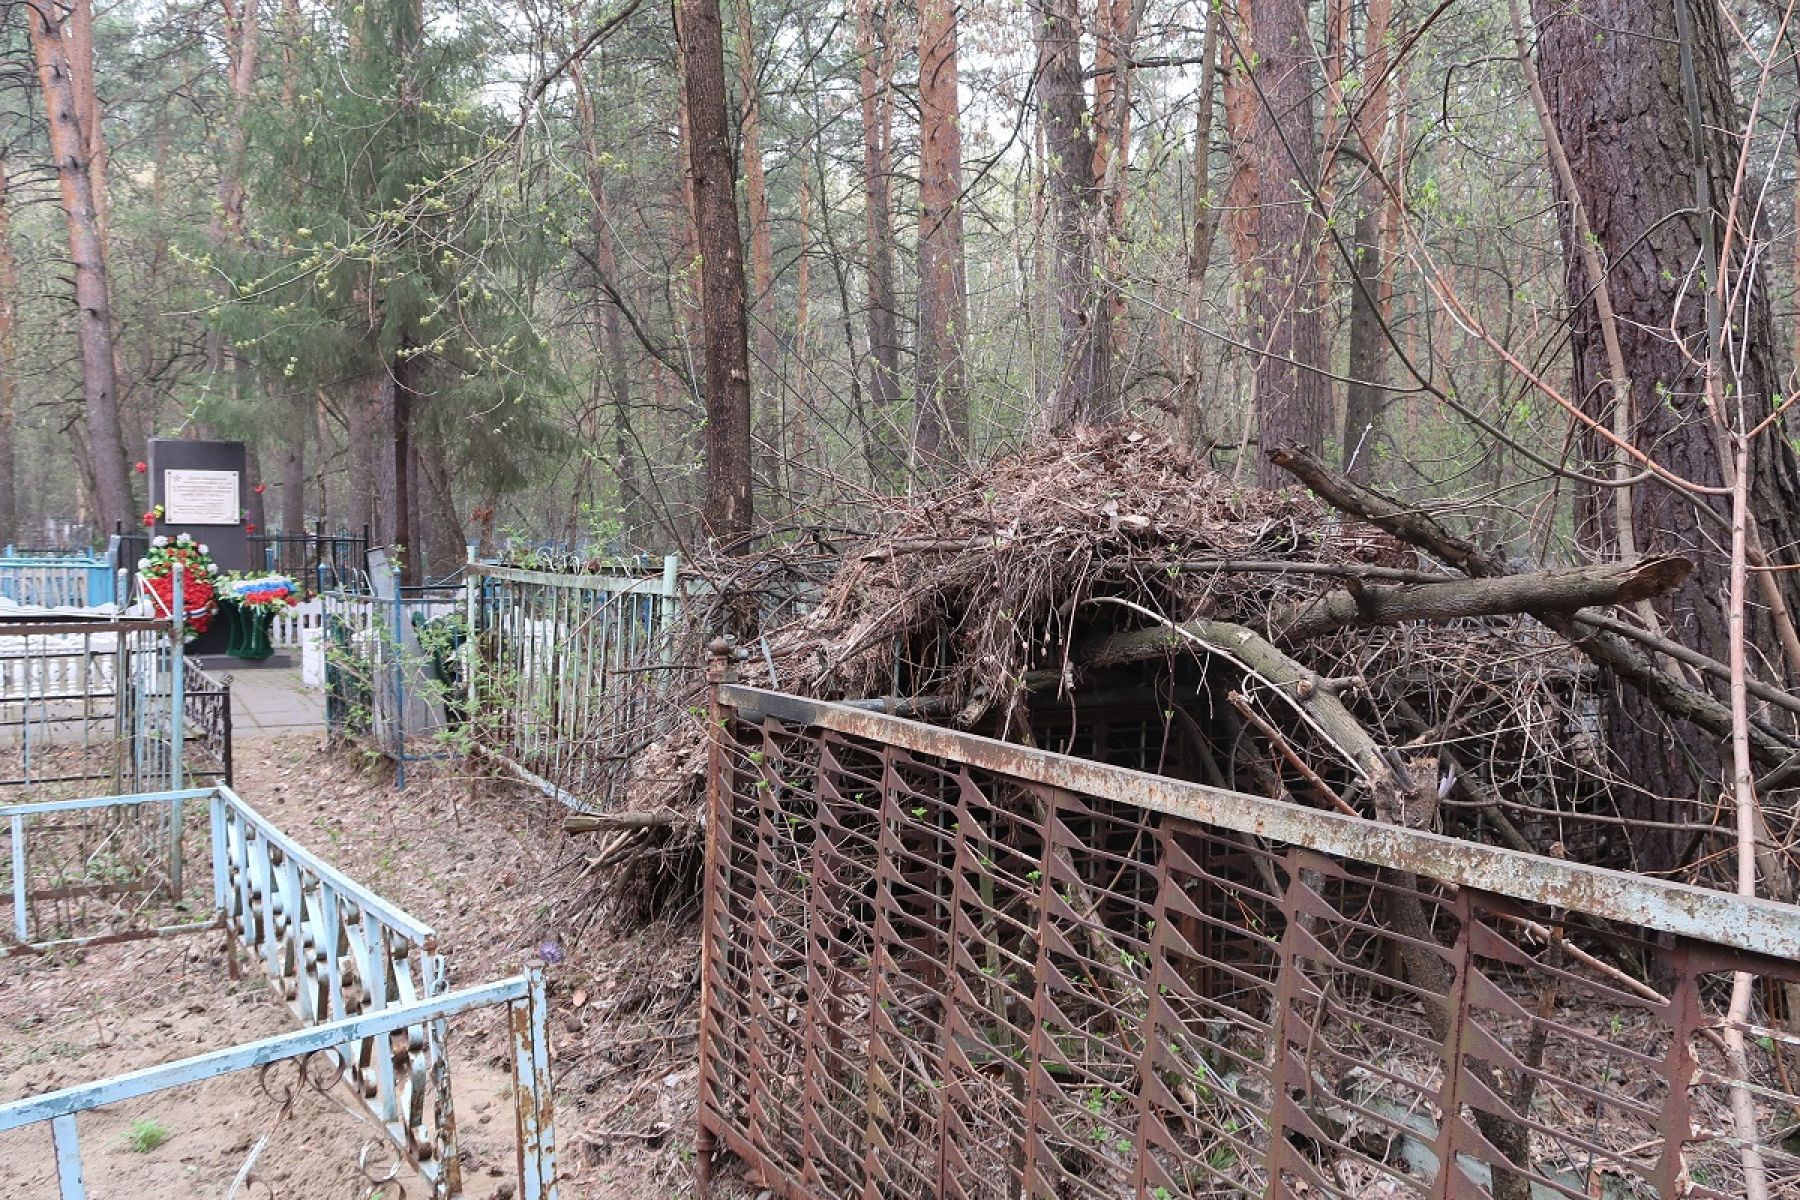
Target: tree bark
x=1364 y=396
x=764 y=336
x=1656 y=198
x=292 y=441
x=1195 y=429
x=405 y=376
x=1365 y=399
x=876 y=77
x=1560 y=591
x=364 y=423
x=941 y=420
x=9 y=288
x=1115 y=44
x=1285 y=327
x=80 y=47
x=241 y=42
x=1082 y=388
x=727 y=513
x=70 y=146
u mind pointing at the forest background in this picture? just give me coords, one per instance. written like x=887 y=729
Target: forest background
x=441 y=265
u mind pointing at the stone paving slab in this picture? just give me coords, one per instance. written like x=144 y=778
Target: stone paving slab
x=265 y=703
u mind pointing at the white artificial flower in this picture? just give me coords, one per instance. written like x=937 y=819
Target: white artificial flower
x=143 y=564
x=159 y=540
x=183 y=540
x=203 y=548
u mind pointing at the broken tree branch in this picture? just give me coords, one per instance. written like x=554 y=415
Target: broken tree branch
x=607 y=822
x=1770 y=747
x=1566 y=590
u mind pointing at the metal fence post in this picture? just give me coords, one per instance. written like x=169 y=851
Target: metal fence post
x=723 y=656
x=177 y=677
x=671 y=595
x=396 y=677
x=471 y=657
x=68 y=1158
x=221 y=866
x=532 y=1086
x=20 y=892
x=177 y=713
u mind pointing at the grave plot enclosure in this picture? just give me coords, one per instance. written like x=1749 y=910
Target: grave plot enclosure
x=89 y=706
x=365 y=979
x=940 y=965
x=1108 y=829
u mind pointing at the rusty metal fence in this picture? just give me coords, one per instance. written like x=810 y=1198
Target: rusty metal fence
x=940 y=965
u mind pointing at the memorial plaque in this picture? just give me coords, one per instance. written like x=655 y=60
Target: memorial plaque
x=201 y=498
x=221 y=471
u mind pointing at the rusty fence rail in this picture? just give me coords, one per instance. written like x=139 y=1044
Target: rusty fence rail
x=80 y=873
x=523 y=996
x=935 y=964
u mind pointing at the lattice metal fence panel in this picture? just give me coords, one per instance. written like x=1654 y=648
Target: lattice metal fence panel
x=574 y=673
x=938 y=965
x=393 y=669
x=90 y=706
x=86 y=872
x=335 y=949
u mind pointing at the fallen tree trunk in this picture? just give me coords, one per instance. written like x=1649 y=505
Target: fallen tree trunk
x=1772 y=747
x=1359 y=607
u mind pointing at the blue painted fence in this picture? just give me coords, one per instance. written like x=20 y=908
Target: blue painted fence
x=56 y=581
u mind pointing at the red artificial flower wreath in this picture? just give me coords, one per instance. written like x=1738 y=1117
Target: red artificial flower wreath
x=199 y=581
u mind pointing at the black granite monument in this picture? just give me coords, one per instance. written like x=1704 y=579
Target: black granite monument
x=202 y=488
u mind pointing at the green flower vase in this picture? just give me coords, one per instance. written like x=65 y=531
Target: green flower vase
x=249 y=633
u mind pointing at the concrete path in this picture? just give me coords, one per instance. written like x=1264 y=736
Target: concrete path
x=267 y=703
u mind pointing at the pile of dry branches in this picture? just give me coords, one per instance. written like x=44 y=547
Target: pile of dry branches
x=1316 y=656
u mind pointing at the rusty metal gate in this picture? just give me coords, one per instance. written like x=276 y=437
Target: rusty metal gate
x=941 y=965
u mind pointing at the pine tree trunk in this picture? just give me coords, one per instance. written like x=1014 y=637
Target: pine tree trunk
x=9 y=287
x=1621 y=110
x=1195 y=429
x=1365 y=399
x=876 y=77
x=405 y=374
x=1285 y=330
x=727 y=513
x=293 y=475
x=242 y=36
x=1082 y=389
x=253 y=499
x=941 y=428
x=365 y=425
x=70 y=147
x=765 y=361
x=1115 y=42
x=80 y=48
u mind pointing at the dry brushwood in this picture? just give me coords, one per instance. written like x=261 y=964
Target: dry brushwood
x=1113 y=546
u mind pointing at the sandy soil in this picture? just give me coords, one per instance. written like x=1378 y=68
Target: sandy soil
x=485 y=867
